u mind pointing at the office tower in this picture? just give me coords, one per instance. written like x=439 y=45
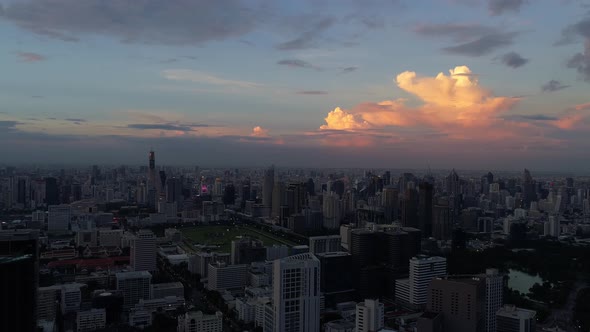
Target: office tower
x=423 y=269
x=134 y=286
x=71 y=297
x=152 y=170
x=554 y=226
x=529 y=192
x=389 y=201
x=47 y=299
x=91 y=320
x=333 y=210
x=425 y=206
x=512 y=319
x=161 y=182
x=166 y=289
x=494 y=297
x=226 y=277
x=336 y=280
x=321 y=244
x=19 y=280
x=268 y=186
x=296 y=294
x=143 y=251
x=199 y=263
x=174 y=192
x=441 y=220
x=51 y=191
x=199 y=322
x=453 y=186
x=410 y=208
x=247 y=250
x=58 y=218
x=278 y=198
x=369 y=316
x=461 y=300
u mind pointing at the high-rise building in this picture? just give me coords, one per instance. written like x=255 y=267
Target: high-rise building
x=278 y=198
x=226 y=277
x=174 y=192
x=268 y=186
x=336 y=281
x=51 y=191
x=512 y=319
x=91 y=320
x=333 y=210
x=494 y=297
x=199 y=322
x=425 y=205
x=321 y=244
x=143 y=251
x=152 y=169
x=441 y=221
x=19 y=280
x=461 y=300
x=529 y=192
x=134 y=286
x=296 y=294
x=410 y=208
x=369 y=316
x=58 y=218
x=423 y=269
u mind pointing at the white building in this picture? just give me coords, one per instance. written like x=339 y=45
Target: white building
x=143 y=251
x=222 y=276
x=296 y=294
x=71 y=297
x=322 y=244
x=198 y=322
x=91 y=320
x=134 y=286
x=494 y=297
x=58 y=219
x=512 y=319
x=423 y=269
x=369 y=316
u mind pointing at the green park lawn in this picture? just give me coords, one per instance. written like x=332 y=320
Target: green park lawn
x=223 y=235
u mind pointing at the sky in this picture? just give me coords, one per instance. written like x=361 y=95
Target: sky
x=471 y=84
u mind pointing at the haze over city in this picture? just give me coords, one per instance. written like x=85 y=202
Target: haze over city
x=484 y=84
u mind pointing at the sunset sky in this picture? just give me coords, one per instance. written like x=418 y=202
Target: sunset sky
x=478 y=84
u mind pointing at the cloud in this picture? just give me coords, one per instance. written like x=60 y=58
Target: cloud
x=340 y=119
x=259 y=132
x=8 y=125
x=483 y=45
x=205 y=78
x=473 y=39
x=575 y=31
x=348 y=70
x=312 y=92
x=582 y=107
x=308 y=38
x=553 y=86
x=31 y=57
x=295 y=63
x=75 y=120
x=514 y=60
x=165 y=126
x=137 y=21
x=532 y=117
x=499 y=7
x=581 y=62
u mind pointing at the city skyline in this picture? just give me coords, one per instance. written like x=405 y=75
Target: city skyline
x=450 y=83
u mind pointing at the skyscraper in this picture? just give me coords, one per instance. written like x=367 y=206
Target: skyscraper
x=529 y=193
x=296 y=294
x=423 y=269
x=410 y=208
x=425 y=208
x=441 y=220
x=494 y=297
x=152 y=169
x=174 y=192
x=51 y=191
x=268 y=186
x=134 y=286
x=19 y=280
x=143 y=251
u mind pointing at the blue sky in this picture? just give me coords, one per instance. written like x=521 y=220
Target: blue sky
x=116 y=77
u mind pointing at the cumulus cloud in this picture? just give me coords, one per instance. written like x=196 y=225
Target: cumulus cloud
x=30 y=57
x=137 y=21
x=553 y=85
x=499 y=7
x=259 y=132
x=451 y=104
x=514 y=60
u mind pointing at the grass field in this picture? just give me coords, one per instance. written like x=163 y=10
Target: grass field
x=223 y=235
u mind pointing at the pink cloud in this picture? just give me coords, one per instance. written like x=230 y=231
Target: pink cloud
x=31 y=57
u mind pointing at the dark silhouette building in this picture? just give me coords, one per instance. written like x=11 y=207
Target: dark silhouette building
x=19 y=280
x=336 y=282
x=426 y=192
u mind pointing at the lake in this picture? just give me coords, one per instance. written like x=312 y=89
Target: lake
x=522 y=281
